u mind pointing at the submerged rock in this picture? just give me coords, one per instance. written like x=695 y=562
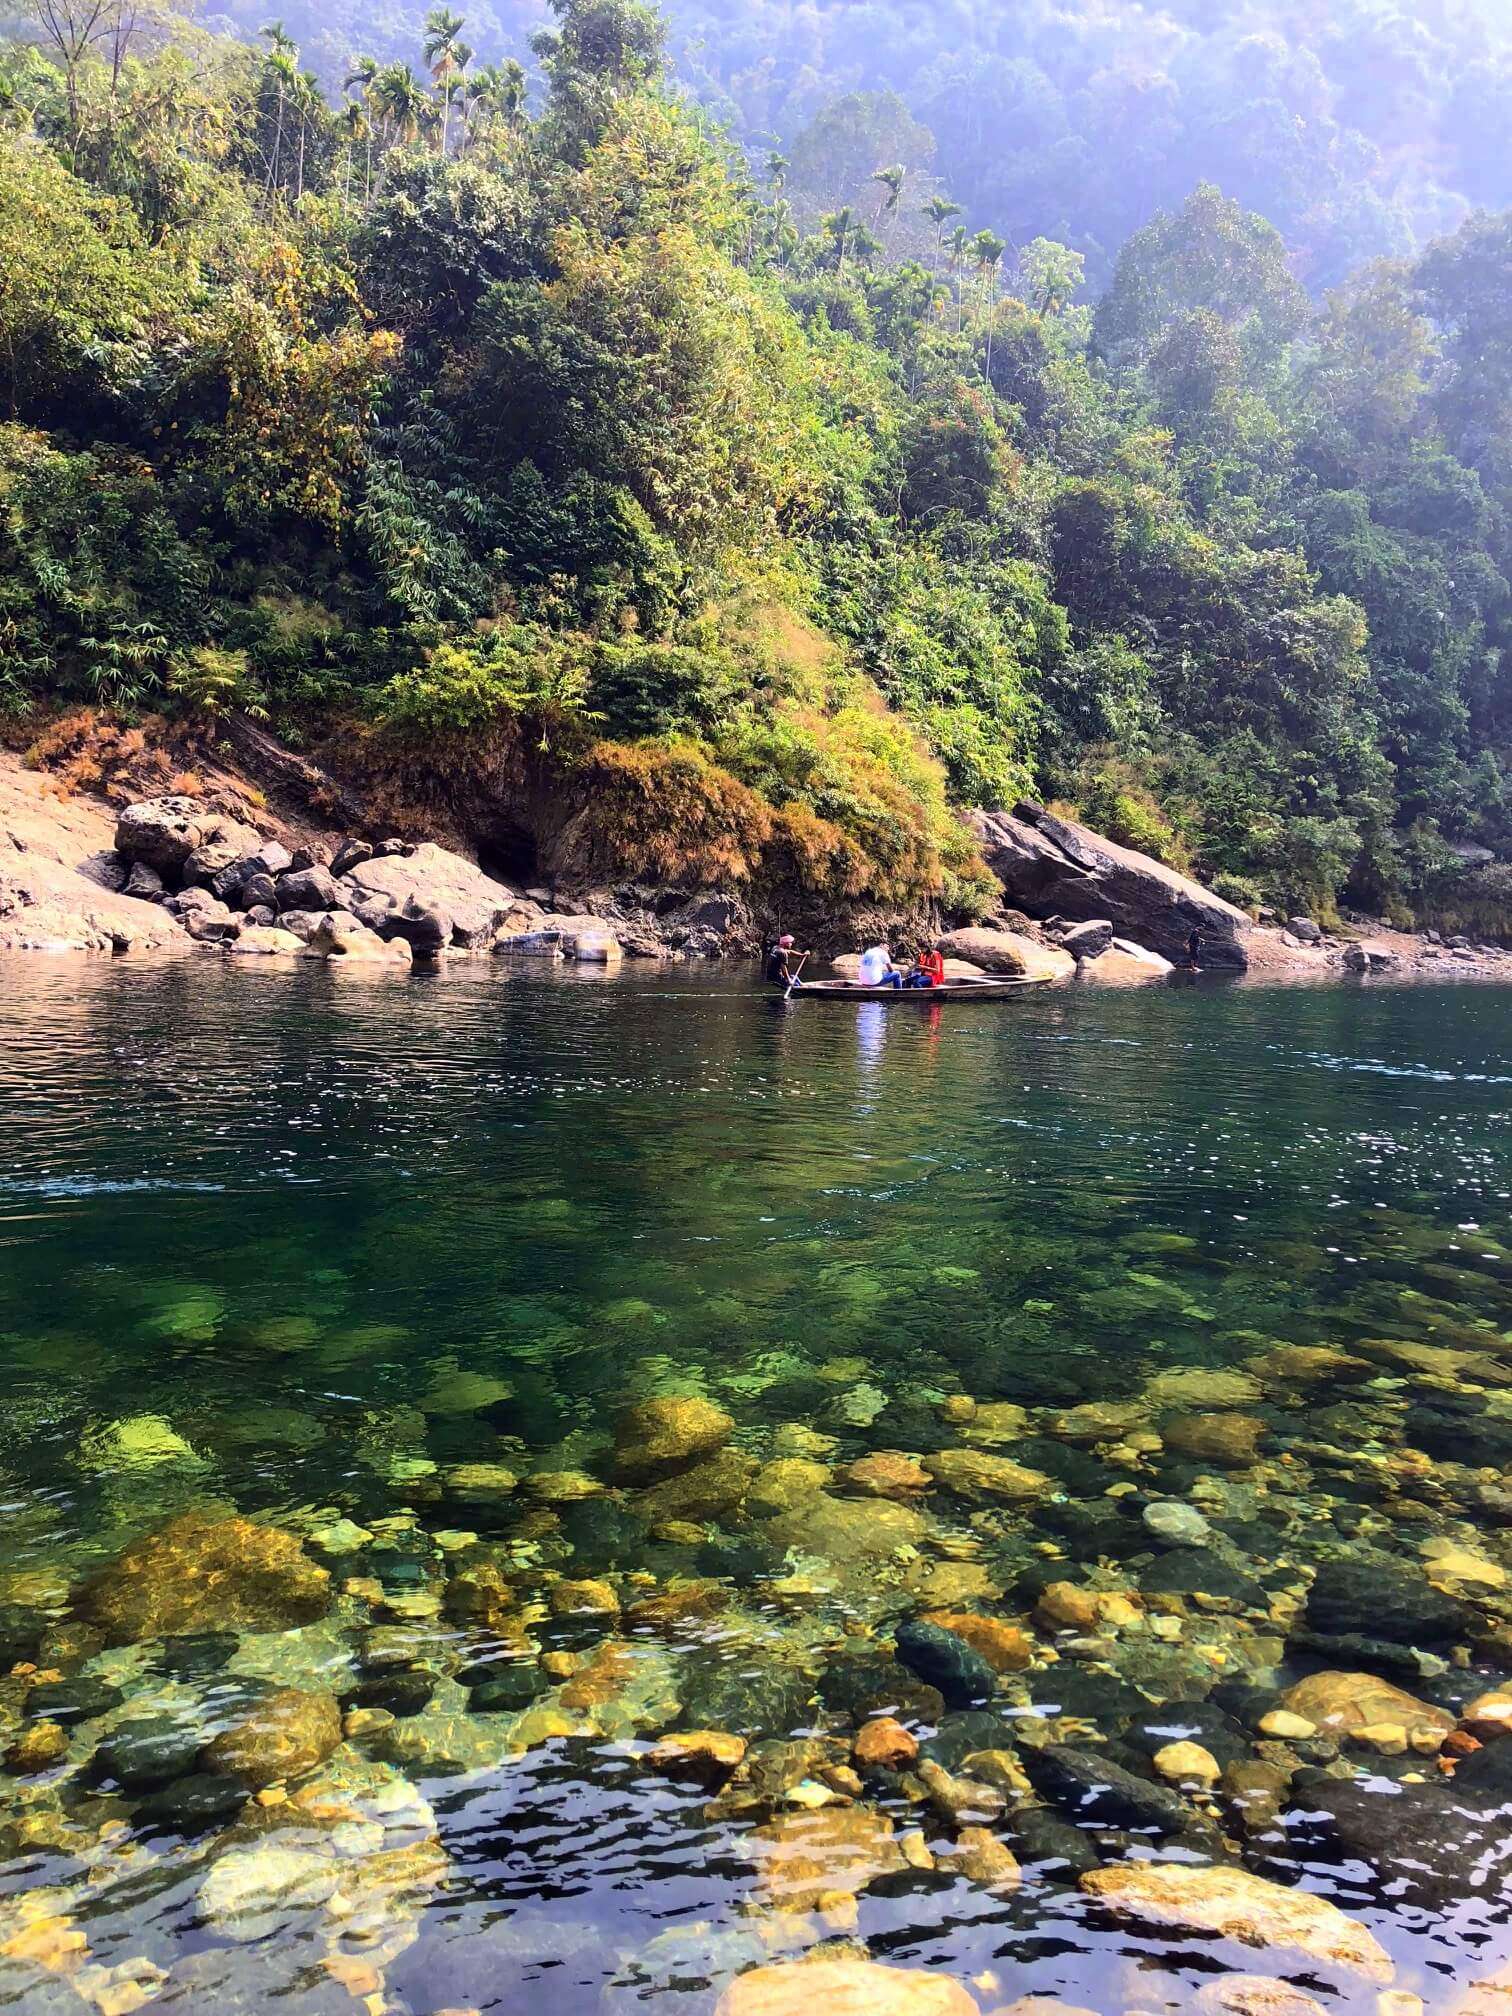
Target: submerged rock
x=944 y=1661
x=284 y=1735
x=1294 y=1927
x=1346 y=1703
x=1004 y=1646
x=250 y=1892
x=846 y=1987
x=802 y=1859
x=660 y=1435
x=201 y=1572
x=974 y=1475
x=1373 y=1595
x=140 y=1756
x=1090 y=1787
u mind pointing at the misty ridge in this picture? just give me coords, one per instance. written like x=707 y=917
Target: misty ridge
x=1359 y=130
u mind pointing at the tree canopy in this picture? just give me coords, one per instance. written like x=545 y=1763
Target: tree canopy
x=455 y=391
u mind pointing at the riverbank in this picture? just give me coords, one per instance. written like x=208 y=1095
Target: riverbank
x=221 y=862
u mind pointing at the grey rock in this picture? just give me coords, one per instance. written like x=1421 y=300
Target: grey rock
x=258 y=891
x=107 y=871
x=1050 y=866
x=163 y=832
x=1090 y=940
x=425 y=930
x=312 y=888
x=1304 y=930
x=1176 y=1525
x=349 y=855
x=145 y=883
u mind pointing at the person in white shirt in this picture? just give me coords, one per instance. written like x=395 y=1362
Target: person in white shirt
x=877 y=969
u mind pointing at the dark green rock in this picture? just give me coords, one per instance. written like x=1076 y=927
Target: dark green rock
x=196 y=1658
x=1042 y=1837
x=139 y=1756
x=943 y=1661
x=504 y=1687
x=70 y=1701
x=747 y=1699
x=1070 y=1689
x=1090 y=1789
x=1372 y=1596
x=965 y=1731
x=1198 y=1571
x=406 y=1690
x=192 y=1805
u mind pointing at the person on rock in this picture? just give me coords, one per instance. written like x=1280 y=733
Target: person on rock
x=1194 y=950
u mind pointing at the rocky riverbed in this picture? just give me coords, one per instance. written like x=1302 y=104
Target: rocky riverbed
x=1155 y=1654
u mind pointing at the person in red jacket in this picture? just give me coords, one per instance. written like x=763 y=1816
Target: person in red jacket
x=929 y=969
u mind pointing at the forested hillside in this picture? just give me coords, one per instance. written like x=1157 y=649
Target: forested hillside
x=491 y=419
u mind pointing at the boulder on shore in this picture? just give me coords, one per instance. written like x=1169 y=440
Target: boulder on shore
x=432 y=879
x=1007 y=953
x=1053 y=867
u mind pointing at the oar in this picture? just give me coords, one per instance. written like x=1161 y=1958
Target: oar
x=793 y=982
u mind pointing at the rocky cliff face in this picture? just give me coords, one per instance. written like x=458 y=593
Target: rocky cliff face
x=1052 y=867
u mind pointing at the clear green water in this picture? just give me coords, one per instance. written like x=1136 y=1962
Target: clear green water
x=341 y=1236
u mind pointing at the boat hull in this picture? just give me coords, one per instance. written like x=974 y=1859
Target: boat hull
x=953 y=990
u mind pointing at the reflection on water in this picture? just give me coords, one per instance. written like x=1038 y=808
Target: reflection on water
x=1160 y=1343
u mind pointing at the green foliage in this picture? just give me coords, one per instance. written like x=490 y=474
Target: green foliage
x=501 y=409
x=463 y=689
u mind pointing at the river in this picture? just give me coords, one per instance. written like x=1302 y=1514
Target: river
x=358 y=1275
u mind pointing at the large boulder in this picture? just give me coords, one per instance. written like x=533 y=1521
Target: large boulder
x=1008 y=953
x=337 y=935
x=163 y=832
x=1053 y=867
x=433 y=879
x=201 y=1572
x=1125 y=965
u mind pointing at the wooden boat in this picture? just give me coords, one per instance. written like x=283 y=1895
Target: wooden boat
x=990 y=989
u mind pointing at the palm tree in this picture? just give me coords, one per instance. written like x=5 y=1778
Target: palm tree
x=360 y=77
x=400 y=98
x=306 y=100
x=777 y=166
x=496 y=92
x=840 y=227
x=448 y=56
x=959 y=242
x=354 y=124
x=939 y=210
x=452 y=91
x=988 y=253
x=892 y=180
x=282 y=55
